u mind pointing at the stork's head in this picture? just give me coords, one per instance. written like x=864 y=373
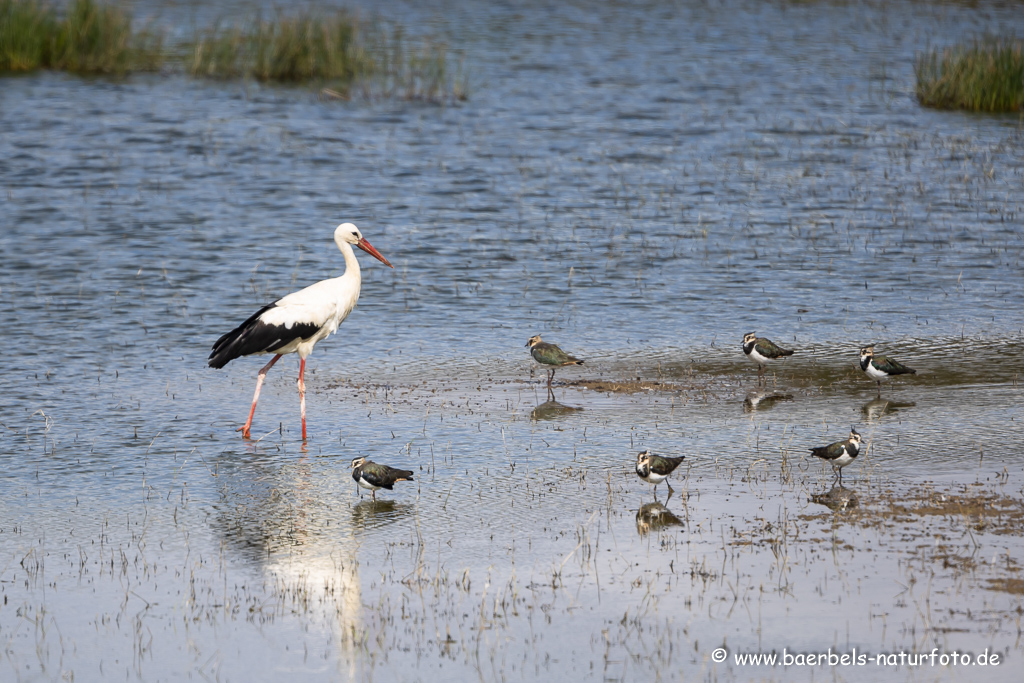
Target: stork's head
x=534 y=340
x=357 y=462
x=348 y=233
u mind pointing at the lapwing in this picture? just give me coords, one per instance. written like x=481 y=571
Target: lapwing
x=655 y=469
x=370 y=475
x=880 y=368
x=761 y=351
x=550 y=355
x=839 y=454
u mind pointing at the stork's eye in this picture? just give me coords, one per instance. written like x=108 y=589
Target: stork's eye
x=355 y=234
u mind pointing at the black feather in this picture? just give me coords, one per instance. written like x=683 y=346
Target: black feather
x=255 y=336
x=381 y=476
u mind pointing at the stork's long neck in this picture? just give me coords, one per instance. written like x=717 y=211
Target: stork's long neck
x=351 y=263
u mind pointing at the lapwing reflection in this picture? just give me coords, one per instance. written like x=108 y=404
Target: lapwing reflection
x=655 y=517
x=876 y=408
x=762 y=400
x=838 y=498
x=552 y=410
x=373 y=514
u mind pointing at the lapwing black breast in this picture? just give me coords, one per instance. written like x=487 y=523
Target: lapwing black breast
x=373 y=476
x=839 y=454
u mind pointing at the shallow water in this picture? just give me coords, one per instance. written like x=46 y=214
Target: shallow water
x=639 y=183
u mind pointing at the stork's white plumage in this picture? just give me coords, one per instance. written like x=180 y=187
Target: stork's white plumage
x=295 y=323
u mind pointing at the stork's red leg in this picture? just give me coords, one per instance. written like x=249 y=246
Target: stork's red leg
x=302 y=395
x=259 y=383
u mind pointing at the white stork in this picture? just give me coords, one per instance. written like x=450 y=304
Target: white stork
x=295 y=323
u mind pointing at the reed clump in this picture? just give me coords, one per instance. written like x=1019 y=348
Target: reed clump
x=332 y=49
x=987 y=76
x=414 y=72
x=86 y=38
x=307 y=47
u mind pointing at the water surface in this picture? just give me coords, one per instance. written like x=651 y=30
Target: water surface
x=641 y=183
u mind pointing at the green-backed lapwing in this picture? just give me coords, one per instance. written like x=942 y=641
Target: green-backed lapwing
x=840 y=454
x=550 y=355
x=370 y=475
x=761 y=351
x=655 y=469
x=880 y=368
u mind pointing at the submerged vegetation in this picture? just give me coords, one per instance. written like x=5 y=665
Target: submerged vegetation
x=333 y=50
x=986 y=76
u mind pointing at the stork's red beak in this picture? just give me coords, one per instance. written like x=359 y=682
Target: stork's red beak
x=368 y=248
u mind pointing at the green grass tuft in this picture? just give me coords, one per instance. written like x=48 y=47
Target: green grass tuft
x=987 y=77
x=415 y=73
x=333 y=50
x=88 y=38
x=25 y=31
x=308 y=47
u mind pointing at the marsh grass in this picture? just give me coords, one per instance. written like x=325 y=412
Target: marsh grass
x=87 y=38
x=987 y=76
x=414 y=73
x=307 y=47
x=333 y=50
x=25 y=29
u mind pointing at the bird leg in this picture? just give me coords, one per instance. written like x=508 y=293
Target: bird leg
x=879 y=388
x=302 y=395
x=551 y=377
x=259 y=383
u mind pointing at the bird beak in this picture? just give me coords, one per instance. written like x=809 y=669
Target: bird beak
x=527 y=343
x=368 y=248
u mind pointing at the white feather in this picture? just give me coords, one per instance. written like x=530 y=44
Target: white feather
x=756 y=357
x=367 y=485
x=324 y=304
x=876 y=374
